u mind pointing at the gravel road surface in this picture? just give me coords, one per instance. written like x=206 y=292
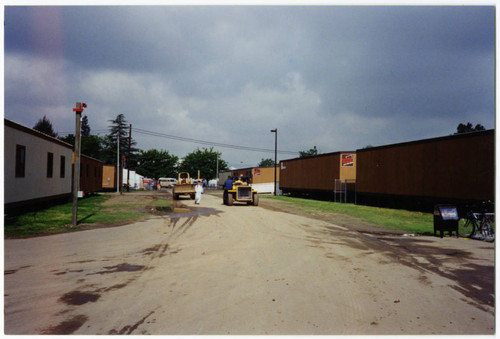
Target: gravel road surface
x=214 y=269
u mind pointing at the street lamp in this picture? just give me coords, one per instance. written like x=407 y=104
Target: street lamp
x=275 y=131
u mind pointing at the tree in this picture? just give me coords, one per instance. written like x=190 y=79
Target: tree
x=91 y=145
x=461 y=128
x=311 y=152
x=203 y=160
x=266 y=163
x=119 y=127
x=45 y=126
x=70 y=139
x=85 y=128
x=157 y=164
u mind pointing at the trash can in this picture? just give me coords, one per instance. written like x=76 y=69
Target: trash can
x=445 y=219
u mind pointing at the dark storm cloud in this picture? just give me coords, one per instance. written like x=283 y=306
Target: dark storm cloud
x=413 y=64
x=338 y=77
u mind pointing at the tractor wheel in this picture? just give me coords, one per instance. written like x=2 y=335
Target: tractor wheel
x=230 y=200
x=256 y=200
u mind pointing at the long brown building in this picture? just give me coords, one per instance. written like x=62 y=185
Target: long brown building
x=457 y=169
x=453 y=169
x=316 y=175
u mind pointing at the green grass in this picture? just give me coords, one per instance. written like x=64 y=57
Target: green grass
x=412 y=222
x=91 y=210
x=59 y=218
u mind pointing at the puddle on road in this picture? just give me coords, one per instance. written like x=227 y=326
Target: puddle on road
x=79 y=298
x=120 y=268
x=182 y=211
x=68 y=326
x=125 y=268
x=179 y=210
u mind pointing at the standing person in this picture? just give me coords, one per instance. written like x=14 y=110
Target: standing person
x=228 y=185
x=199 y=191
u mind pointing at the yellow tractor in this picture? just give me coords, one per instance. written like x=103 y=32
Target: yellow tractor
x=241 y=192
x=184 y=186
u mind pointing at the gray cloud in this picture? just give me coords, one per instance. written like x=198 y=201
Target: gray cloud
x=337 y=77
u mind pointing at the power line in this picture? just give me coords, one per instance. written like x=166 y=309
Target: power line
x=92 y=132
x=210 y=143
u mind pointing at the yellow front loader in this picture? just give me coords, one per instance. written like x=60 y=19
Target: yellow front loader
x=185 y=186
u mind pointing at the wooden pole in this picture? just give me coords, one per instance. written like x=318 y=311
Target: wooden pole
x=118 y=163
x=128 y=157
x=76 y=169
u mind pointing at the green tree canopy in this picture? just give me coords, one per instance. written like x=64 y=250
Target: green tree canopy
x=313 y=151
x=462 y=128
x=70 y=139
x=203 y=160
x=85 y=128
x=45 y=126
x=266 y=163
x=119 y=127
x=91 y=145
x=156 y=164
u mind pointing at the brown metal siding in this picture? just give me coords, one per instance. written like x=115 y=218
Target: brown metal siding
x=314 y=173
x=90 y=174
x=458 y=167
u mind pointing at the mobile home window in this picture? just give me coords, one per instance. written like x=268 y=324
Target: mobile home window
x=20 y=161
x=50 y=164
x=63 y=166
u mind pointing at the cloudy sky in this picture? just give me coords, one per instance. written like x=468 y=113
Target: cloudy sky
x=335 y=77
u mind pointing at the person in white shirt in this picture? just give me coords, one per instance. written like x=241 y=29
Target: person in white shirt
x=199 y=191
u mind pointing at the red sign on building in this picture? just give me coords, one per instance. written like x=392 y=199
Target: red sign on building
x=347 y=160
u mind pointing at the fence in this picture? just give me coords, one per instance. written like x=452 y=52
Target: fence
x=345 y=191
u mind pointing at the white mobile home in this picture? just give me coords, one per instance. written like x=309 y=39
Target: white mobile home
x=135 y=180
x=37 y=167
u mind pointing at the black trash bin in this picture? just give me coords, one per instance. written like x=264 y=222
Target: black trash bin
x=445 y=219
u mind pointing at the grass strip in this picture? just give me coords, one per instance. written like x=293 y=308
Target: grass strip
x=57 y=219
x=412 y=222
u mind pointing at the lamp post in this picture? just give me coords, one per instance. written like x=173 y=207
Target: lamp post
x=275 y=131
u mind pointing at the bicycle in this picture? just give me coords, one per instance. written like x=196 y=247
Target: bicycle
x=478 y=225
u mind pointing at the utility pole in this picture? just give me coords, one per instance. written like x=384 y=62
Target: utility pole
x=118 y=162
x=128 y=157
x=275 y=131
x=76 y=169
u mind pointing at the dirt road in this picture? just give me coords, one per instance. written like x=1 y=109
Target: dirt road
x=246 y=270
